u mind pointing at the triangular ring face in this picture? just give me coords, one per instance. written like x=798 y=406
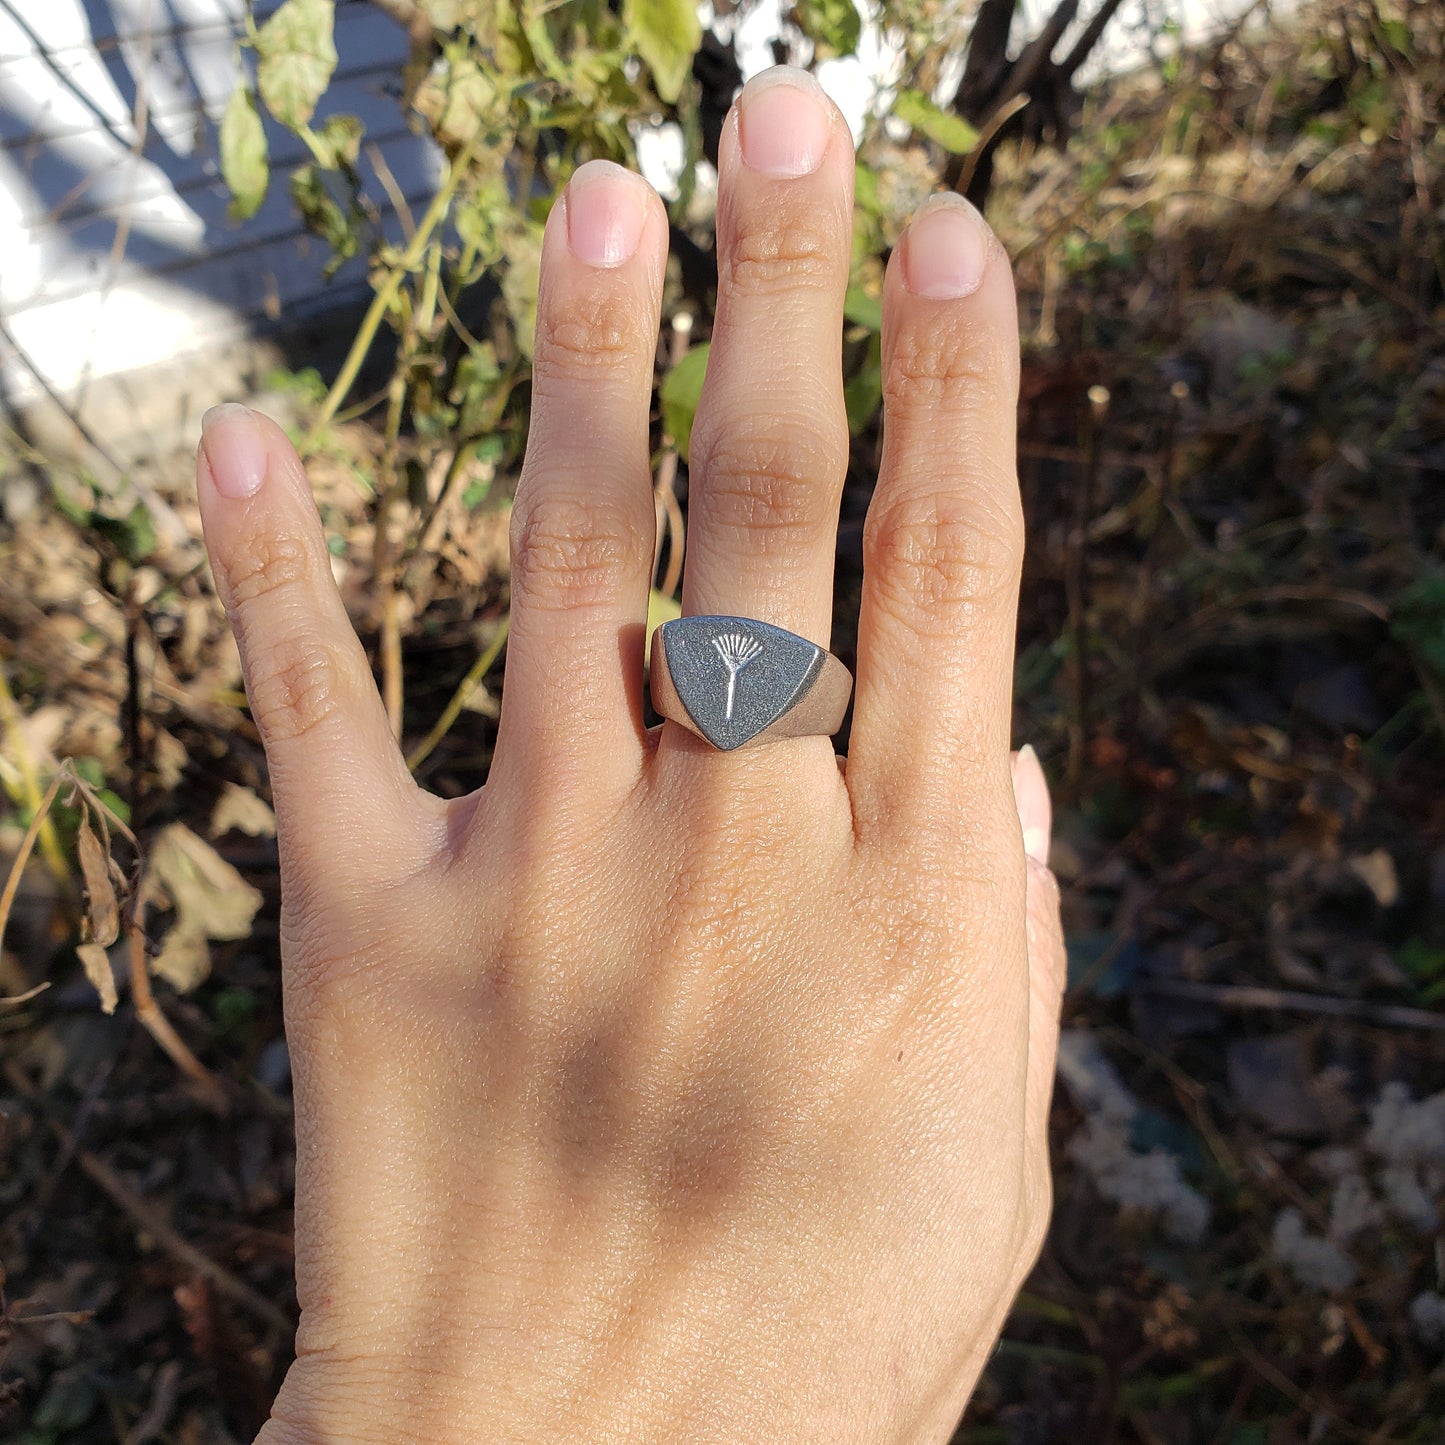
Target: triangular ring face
x=735 y=676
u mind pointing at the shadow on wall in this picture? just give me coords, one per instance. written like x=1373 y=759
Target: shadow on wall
x=116 y=250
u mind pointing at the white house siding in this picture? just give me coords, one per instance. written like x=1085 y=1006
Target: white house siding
x=115 y=249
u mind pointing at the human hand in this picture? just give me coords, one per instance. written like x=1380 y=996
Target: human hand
x=652 y=1092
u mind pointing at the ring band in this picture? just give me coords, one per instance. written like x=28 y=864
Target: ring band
x=735 y=681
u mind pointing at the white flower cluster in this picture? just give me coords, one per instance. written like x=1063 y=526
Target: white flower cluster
x=1150 y=1181
x=1397 y=1178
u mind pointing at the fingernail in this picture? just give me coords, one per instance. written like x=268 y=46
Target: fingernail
x=1031 y=796
x=783 y=122
x=946 y=249
x=606 y=210
x=233 y=450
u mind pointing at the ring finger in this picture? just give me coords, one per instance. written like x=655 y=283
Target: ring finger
x=770 y=443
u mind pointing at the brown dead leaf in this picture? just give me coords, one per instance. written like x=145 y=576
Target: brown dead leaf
x=96 y=962
x=1376 y=870
x=210 y=898
x=103 y=907
x=240 y=809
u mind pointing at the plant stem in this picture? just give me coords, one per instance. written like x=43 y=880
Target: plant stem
x=160 y=1028
x=465 y=689
x=39 y=807
x=385 y=295
x=384 y=554
x=39 y=817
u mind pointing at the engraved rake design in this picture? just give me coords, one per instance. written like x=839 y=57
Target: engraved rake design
x=736 y=649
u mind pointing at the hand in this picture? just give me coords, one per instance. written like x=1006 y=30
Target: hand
x=651 y=1092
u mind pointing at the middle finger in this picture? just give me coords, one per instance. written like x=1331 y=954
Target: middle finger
x=770 y=443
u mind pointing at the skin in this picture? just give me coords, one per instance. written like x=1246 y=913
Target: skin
x=652 y=1093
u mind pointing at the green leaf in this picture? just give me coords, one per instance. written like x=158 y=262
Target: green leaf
x=133 y=536
x=460 y=96
x=475 y=384
x=544 y=52
x=863 y=392
x=338 y=143
x=523 y=250
x=1397 y=33
x=245 y=166
x=666 y=34
x=863 y=308
x=952 y=132
x=297 y=56
x=324 y=216
x=681 y=388
x=832 y=25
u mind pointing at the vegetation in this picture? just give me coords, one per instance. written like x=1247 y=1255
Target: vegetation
x=1232 y=658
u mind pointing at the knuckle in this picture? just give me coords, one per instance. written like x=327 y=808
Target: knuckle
x=778 y=480
x=262 y=565
x=944 y=554
x=568 y=554
x=769 y=254
x=584 y=333
x=295 y=684
x=940 y=370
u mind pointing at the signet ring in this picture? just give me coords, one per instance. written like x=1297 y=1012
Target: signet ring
x=735 y=681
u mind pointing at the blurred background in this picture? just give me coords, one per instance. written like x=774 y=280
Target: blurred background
x=1228 y=224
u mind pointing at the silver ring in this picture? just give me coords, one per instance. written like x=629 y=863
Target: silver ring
x=735 y=681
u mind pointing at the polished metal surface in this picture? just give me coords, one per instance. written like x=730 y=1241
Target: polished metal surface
x=735 y=681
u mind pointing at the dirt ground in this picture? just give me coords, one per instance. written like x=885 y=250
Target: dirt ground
x=1231 y=659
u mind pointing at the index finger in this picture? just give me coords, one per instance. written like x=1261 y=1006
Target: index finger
x=943 y=542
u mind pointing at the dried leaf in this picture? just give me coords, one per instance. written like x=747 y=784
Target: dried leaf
x=297 y=56
x=1271 y=1079
x=210 y=898
x=523 y=249
x=1376 y=870
x=240 y=809
x=184 y=960
x=104 y=910
x=96 y=962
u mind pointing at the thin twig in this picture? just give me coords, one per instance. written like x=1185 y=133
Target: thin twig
x=160 y=1028
x=434 y=525
x=393 y=191
x=386 y=294
x=668 y=511
x=22 y=855
x=1249 y=996
x=468 y=685
x=50 y=848
x=14 y=1000
x=457 y=324
x=169 y=525
x=149 y=1218
x=391 y=670
x=140 y=124
x=986 y=137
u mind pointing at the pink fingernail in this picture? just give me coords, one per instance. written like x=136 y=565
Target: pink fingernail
x=946 y=249
x=1031 y=797
x=606 y=210
x=233 y=450
x=783 y=122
